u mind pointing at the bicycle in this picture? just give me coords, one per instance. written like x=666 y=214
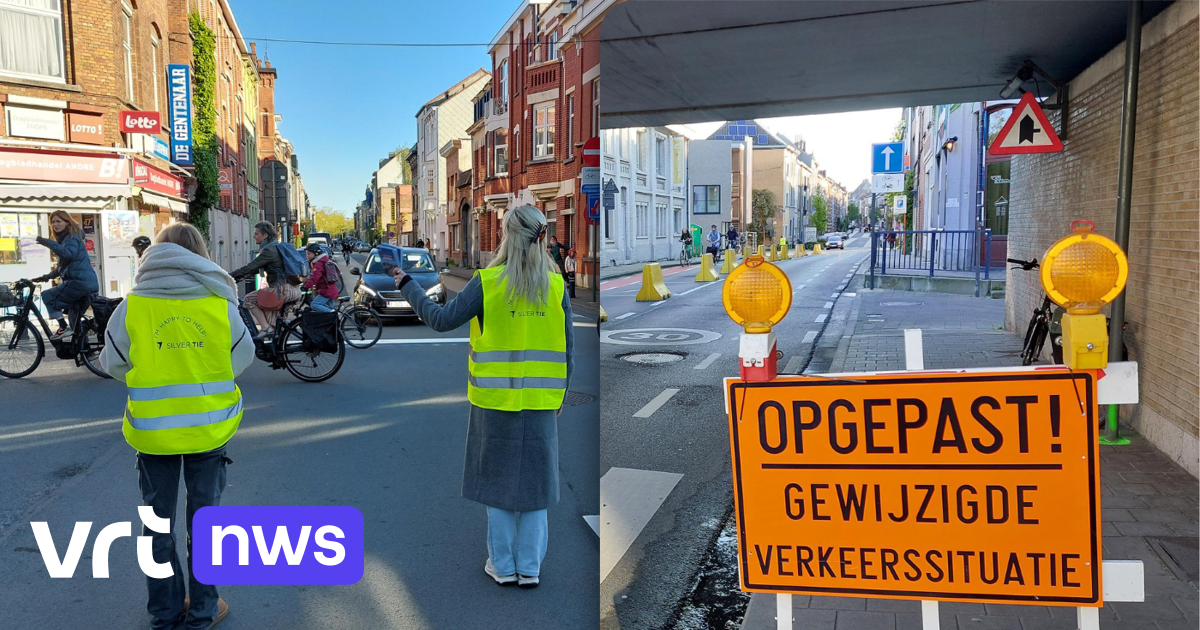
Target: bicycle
x=684 y=255
x=360 y=325
x=1039 y=324
x=292 y=347
x=21 y=345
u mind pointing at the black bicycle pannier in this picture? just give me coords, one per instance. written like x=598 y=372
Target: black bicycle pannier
x=102 y=310
x=320 y=331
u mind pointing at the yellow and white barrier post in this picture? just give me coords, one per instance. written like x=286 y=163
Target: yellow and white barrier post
x=708 y=269
x=817 y=249
x=729 y=263
x=653 y=288
x=783 y=251
x=800 y=251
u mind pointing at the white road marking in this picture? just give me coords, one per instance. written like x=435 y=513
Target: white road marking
x=829 y=305
x=69 y=427
x=404 y=342
x=834 y=296
x=659 y=303
x=593 y=521
x=623 y=316
x=705 y=285
x=793 y=364
x=799 y=288
x=810 y=336
x=850 y=294
x=653 y=405
x=628 y=500
x=822 y=317
x=707 y=361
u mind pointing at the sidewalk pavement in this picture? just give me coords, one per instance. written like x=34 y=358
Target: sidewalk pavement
x=620 y=271
x=1149 y=503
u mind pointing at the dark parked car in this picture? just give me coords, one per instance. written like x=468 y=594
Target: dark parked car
x=377 y=288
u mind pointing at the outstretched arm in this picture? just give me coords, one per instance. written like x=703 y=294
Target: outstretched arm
x=466 y=305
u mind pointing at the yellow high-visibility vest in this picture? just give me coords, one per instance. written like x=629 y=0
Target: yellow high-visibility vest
x=182 y=398
x=519 y=358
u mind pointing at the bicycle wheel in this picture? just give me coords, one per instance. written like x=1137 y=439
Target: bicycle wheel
x=23 y=357
x=361 y=327
x=91 y=343
x=1035 y=337
x=310 y=366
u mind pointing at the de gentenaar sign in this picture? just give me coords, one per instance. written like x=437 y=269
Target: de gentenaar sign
x=180 y=82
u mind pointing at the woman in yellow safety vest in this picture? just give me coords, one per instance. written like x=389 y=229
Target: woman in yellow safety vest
x=177 y=341
x=522 y=355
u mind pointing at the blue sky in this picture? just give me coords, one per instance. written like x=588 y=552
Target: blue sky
x=345 y=107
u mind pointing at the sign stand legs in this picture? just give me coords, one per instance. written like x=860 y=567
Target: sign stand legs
x=914 y=359
x=783 y=611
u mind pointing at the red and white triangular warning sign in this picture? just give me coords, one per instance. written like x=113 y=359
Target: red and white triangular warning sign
x=1027 y=131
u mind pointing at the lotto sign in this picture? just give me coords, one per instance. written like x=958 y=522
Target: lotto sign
x=139 y=122
x=980 y=487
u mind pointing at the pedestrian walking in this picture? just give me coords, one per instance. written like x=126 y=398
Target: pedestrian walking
x=264 y=304
x=74 y=267
x=570 y=269
x=182 y=407
x=558 y=252
x=522 y=355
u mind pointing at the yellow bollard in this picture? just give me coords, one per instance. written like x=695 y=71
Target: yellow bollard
x=653 y=288
x=603 y=314
x=708 y=269
x=817 y=249
x=760 y=251
x=727 y=264
x=783 y=252
x=800 y=253
x=772 y=255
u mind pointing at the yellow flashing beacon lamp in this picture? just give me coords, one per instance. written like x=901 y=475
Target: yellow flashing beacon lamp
x=757 y=295
x=1081 y=273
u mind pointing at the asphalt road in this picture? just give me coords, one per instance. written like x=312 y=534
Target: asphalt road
x=664 y=438
x=385 y=435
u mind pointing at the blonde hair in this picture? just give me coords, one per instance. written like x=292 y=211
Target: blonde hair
x=526 y=272
x=73 y=226
x=184 y=235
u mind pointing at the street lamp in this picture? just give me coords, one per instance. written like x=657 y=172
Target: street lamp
x=949 y=145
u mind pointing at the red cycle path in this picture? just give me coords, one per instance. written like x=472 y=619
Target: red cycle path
x=628 y=280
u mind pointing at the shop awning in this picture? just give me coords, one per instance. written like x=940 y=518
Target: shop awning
x=62 y=196
x=695 y=61
x=174 y=204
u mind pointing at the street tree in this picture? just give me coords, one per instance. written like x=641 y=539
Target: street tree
x=852 y=212
x=820 y=213
x=332 y=221
x=763 y=208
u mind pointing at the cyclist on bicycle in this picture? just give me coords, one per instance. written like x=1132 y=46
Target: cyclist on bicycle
x=323 y=279
x=714 y=242
x=347 y=249
x=74 y=267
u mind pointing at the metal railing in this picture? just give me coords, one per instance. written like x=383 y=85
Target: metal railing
x=949 y=253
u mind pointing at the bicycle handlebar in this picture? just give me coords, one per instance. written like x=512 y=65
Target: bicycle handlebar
x=1027 y=265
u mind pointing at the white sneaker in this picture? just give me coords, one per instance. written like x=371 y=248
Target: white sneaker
x=527 y=581
x=502 y=580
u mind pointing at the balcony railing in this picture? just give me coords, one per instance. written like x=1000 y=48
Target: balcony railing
x=543 y=77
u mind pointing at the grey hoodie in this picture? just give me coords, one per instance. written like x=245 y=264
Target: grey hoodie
x=172 y=272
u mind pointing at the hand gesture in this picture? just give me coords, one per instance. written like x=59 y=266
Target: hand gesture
x=399 y=273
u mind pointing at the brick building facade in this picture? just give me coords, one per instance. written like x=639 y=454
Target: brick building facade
x=1048 y=191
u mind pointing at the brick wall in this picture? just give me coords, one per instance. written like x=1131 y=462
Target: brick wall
x=1050 y=190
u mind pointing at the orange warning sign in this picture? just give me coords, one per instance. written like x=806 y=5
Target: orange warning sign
x=981 y=487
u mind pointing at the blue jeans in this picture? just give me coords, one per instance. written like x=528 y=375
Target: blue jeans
x=517 y=541
x=204 y=480
x=322 y=304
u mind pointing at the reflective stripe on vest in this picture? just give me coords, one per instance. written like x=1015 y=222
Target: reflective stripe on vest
x=518 y=359
x=184 y=420
x=513 y=356
x=181 y=393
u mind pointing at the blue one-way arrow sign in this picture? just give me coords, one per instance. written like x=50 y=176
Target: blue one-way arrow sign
x=887 y=157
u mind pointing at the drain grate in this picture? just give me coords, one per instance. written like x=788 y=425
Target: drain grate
x=1181 y=555
x=577 y=398
x=652 y=358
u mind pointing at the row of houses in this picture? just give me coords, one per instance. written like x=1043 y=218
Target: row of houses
x=508 y=134
x=101 y=117
x=741 y=175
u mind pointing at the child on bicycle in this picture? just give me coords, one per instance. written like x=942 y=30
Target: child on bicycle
x=323 y=279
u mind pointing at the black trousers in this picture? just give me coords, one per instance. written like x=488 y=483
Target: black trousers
x=204 y=481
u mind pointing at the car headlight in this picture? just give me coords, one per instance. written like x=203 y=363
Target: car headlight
x=366 y=289
x=435 y=291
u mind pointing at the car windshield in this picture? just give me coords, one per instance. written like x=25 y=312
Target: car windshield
x=413 y=261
